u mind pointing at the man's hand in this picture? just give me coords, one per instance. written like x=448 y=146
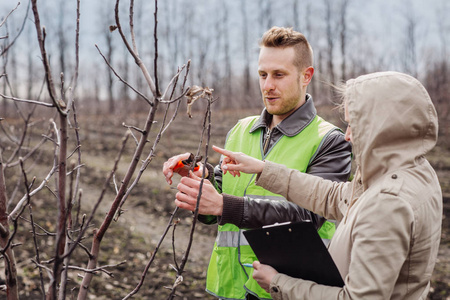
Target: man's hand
x=211 y=202
x=263 y=274
x=169 y=167
x=237 y=162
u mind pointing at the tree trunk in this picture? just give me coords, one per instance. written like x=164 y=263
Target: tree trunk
x=12 y=292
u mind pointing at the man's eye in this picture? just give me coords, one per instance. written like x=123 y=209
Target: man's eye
x=279 y=74
x=263 y=75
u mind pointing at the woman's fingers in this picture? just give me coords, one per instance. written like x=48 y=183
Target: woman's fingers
x=222 y=151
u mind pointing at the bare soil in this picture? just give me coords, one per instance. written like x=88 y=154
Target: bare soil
x=134 y=237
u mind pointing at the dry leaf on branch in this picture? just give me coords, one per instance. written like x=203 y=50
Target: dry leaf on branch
x=195 y=93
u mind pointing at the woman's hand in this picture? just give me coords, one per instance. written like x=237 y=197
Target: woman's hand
x=237 y=162
x=263 y=274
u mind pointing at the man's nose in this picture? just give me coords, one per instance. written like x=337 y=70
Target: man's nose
x=269 y=84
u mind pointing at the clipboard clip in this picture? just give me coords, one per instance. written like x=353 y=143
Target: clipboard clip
x=277 y=224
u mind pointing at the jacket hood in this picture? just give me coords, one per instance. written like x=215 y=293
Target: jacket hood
x=393 y=122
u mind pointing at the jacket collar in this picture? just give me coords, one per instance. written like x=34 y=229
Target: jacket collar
x=294 y=123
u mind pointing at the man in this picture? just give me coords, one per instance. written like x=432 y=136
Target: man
x=387 y=243
x=288 y=132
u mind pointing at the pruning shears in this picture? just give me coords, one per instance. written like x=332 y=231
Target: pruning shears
x=187 y=163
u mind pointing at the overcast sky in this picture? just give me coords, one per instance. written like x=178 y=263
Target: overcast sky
x=381 y=25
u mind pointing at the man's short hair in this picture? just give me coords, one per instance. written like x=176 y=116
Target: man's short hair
x=283 y=37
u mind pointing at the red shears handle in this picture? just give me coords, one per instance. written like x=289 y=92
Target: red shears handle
x=185 y=163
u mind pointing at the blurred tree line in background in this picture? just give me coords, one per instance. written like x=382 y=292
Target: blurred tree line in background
x=220 y=39
x=349 y=38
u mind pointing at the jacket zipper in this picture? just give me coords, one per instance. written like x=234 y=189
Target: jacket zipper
x=267 y=141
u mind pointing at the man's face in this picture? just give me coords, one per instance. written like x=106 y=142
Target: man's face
x=282 y=85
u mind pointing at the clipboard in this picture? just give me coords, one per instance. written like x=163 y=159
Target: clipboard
x=295 y=249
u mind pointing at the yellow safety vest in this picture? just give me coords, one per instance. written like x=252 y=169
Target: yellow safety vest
x=227 y=277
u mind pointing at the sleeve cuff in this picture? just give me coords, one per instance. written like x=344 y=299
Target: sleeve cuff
x=233 y=210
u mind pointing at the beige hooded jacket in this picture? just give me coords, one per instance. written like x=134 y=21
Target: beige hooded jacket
x=386 y=244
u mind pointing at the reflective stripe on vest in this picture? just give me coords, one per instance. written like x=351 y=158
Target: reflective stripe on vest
x=227 y=278
x=237 y=238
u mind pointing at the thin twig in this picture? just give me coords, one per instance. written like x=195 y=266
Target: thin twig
x=101 y=269
x=28 y=199
x=133 y=36
x=173 y=246
x=77 y=47
x=182 y=88
x=27 y=101
x=155 y=143
x=36 y=225
x=155 y=60
x=22 y=203
x=36 y=248
x=173 y=82
x=133 y=127
x=152 y=258
x=41 y=33
x=121 y=79
x=78 y=148
x=102 y=194
x=176 y=99
x=68 y=217
x=135 y=55
x=184 y=260
x=136 y=141
x=5 y=49
x=41 y=265
x=4 y=20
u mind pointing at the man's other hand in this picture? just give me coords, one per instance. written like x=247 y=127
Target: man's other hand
x=169 y=167
x=211 y=202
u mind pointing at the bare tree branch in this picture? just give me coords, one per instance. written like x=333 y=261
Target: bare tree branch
x=42 y=266
x=157 y=139
x=14 y=214
x=4 y=20
x=77 y=48
x=152 y=258
x=97 y=239
x=36 y=247
x=135 y=55
x=133 y=36
x=29 y=154
x=27 y=101
x=102 y=194
x=102 y=268
x=68 y=217
x=155 y=59
x=121 y=79
x=48 y=73
x=5 y=49
x=207 y=130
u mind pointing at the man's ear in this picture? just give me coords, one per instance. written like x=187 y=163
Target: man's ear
x=307 y=75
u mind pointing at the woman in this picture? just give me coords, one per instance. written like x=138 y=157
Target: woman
x=390 y=215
